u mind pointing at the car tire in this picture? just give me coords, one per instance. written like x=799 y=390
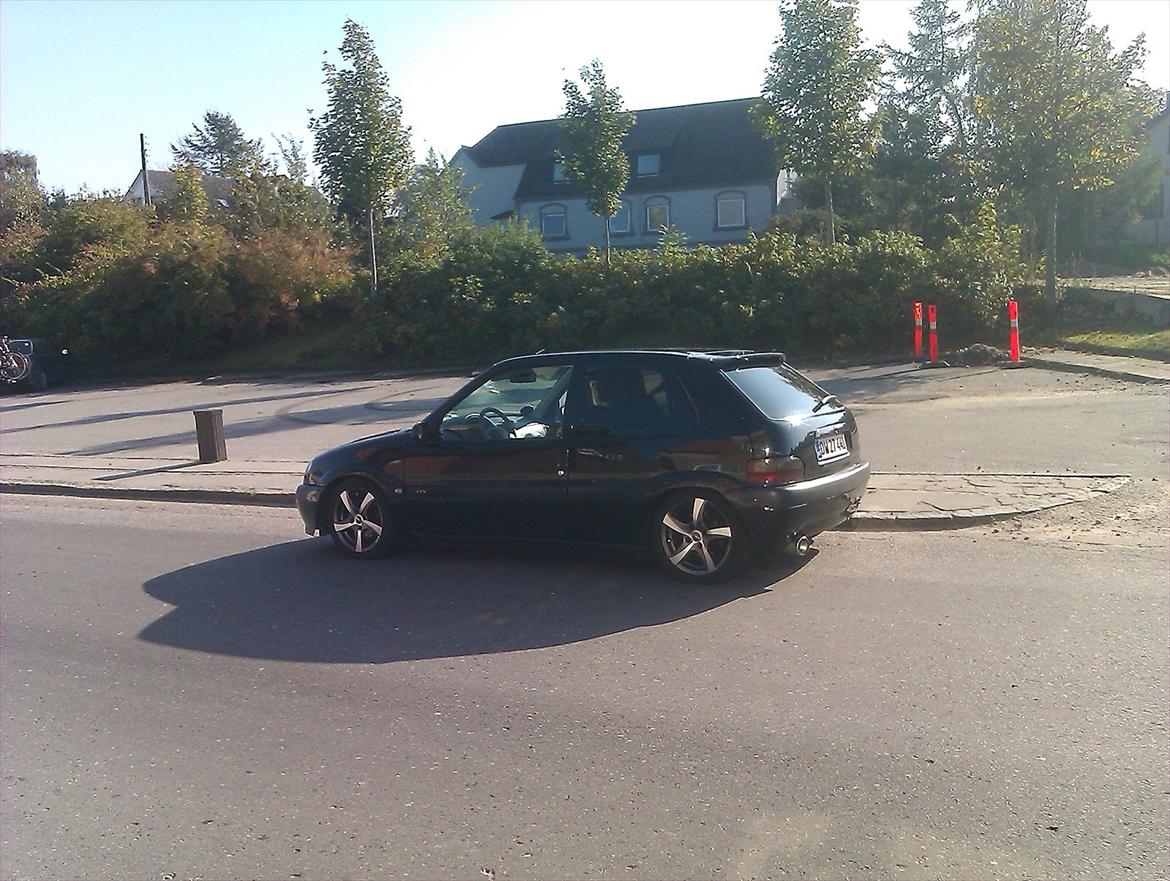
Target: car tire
x=358 y=519
x=698 y=537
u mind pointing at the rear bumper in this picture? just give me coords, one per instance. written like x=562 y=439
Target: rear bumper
x=308 y=497
x=775 y=515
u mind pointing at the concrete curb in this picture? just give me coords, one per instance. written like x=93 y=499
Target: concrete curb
x=1093 y=370
x=196 y=496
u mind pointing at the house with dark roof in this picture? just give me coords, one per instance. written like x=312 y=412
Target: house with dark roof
x=1154 y=225
x=163 y=187
x=700 y=168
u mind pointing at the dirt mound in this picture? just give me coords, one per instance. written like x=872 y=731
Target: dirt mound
x=978 y=355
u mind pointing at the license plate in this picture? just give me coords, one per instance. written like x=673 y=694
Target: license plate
x=831 y=447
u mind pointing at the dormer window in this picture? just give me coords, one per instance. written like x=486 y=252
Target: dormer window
x=558 y=171
x=649 y=164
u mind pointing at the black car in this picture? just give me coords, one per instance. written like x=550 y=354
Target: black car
x=48 y=363
x=703 y=456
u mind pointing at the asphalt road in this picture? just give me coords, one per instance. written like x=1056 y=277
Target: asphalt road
x=199 y=692
x=186 y=692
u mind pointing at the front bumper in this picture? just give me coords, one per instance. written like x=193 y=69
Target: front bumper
x=308 y=498
x=775 y=515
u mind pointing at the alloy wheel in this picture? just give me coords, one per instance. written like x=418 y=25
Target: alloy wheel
x=358 y=520
x=696 y=536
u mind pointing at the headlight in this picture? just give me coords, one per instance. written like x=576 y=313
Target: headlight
x=312 y=478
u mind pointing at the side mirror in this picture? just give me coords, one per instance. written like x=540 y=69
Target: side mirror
x=424 y=433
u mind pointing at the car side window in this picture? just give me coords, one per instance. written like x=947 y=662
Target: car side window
x=632 y=399
x=522 y=404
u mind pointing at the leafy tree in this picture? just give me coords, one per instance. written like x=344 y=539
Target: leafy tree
x=362 y=146
x=219 y=147
x=433 y=213
x=815 y=87
x=190 y=200
x=1059 y=109
x=594 y=124
x=20 y=192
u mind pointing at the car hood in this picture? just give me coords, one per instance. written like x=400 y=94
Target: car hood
x=387 y=442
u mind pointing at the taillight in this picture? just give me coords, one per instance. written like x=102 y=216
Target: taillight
x=774 y=471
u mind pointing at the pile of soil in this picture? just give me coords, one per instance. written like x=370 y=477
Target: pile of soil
x=978 y=355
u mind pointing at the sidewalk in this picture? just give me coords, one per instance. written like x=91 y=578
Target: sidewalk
x=894 y=500
x=1112 y=366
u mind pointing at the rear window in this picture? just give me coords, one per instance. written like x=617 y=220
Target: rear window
x=778 y=392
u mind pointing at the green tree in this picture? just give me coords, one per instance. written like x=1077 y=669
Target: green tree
x=815 y=87
x=20 y=191
x=362 y=146
x=219 y=147
x=433 y=213
x=594 y=124
x=190 y=200
x=1058 y=108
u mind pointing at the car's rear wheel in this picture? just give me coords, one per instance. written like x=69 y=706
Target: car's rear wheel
x=698 y=538
x=359 y=521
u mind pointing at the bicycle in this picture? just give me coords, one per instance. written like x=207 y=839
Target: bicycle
x=13 y=365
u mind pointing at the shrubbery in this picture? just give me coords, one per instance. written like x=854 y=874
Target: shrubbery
x=115 y=283
x=501 y=292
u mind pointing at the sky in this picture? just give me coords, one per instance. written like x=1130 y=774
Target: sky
x=80 y=80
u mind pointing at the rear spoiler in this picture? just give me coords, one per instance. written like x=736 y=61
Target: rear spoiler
x=749 y=359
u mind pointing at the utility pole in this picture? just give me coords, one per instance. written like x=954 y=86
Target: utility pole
x=145 y=179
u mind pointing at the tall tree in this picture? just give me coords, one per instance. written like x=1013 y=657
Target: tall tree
x=594 y=124
x=1059 y=109
x=190 y=200
x=20 y=191
x=362 y=146
x=433 y=213
x=815 y=87
x=219 y=147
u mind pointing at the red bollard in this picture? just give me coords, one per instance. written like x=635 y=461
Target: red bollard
x=917 y=331
x=932 y=319
x=1014 y=320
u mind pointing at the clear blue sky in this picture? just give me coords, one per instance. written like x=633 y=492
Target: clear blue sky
x=80 y=80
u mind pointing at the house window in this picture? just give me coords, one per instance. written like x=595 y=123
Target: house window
x=552 y=222
x=729 y=211
x=558 y=171
x=657 y=217
x=649 y=164
x=620 y=222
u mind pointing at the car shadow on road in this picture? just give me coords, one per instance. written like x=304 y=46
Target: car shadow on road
x=300 y=601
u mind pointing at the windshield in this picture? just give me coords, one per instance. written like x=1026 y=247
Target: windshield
x=527 y=402
x=778 y=392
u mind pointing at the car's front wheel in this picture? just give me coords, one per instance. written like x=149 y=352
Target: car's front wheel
x=698 y=537
x=359 y=521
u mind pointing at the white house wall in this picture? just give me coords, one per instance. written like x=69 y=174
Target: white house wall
x=492 y=189
x=691 y=211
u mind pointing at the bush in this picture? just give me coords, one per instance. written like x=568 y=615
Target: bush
x=501 y=292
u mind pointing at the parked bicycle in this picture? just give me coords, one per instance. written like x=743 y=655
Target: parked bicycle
x=13 y=365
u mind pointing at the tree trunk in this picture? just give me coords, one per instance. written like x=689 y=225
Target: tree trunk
x=607 y=240
x=373 y=257
x=1050 y=252
x=830 y=227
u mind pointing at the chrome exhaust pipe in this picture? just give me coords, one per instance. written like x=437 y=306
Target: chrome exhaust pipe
x=802 y=544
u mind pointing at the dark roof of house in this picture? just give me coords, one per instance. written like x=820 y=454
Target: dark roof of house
x=162 y=186
x=701 y=145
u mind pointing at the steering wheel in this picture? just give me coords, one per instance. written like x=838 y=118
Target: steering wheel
x=488 y=412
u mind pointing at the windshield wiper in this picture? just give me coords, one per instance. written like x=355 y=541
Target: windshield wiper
x=826 y=399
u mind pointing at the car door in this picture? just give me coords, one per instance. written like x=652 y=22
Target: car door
x=496 y=469
x=629 y=421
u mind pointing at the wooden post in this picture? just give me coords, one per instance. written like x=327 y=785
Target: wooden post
x=145 y=179
x=209 y=434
